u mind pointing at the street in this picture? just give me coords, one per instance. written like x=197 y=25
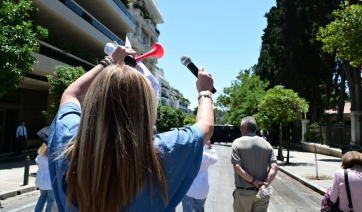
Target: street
x=289 y=195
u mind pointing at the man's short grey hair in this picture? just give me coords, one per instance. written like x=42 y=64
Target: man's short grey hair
x=250 y=124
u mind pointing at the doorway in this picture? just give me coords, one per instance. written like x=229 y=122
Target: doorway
x=9 y=121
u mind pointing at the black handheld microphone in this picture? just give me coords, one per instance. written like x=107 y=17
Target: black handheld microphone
x=186 y=61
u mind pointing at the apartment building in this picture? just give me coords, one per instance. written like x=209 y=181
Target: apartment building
x=78 y=32
x=147 y=16
x=170 y=96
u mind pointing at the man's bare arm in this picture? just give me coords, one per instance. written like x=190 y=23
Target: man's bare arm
x=272 y=173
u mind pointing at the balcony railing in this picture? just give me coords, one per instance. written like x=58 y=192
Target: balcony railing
x=165 y=86
x=91 y=20
x=124 y=9
x=58 y=54
x=149 y=23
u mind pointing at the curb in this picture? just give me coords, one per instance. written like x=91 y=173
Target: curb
x=19 y=191
x=304 y=181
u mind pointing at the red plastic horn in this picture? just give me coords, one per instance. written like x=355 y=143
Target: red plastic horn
x=156 y=51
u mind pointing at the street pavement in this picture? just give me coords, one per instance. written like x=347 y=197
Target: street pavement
x=288 y=195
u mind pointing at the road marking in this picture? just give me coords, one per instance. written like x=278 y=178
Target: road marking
x=30 y=205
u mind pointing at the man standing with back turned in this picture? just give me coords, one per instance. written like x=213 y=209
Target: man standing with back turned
x=255 y=167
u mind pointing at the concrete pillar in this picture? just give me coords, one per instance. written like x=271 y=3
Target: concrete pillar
x=304 y=128
x=356 y=119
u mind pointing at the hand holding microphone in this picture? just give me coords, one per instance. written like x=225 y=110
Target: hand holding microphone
x=204 y=79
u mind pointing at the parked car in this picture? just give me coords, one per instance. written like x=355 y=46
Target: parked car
x=225 y=134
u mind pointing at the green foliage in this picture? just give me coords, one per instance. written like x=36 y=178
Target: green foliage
x=18 y=41
x=189 y=120
x=65 y=75
x=126 y=3
x=291 y=56
x=166 y=118
x=344 y=35
x=313 y=134
x=182 y=98
x=180 y=117
x=280 y=105
x=219 y=114
x=242 y=97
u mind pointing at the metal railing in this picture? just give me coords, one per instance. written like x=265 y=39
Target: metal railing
x=335 y=135
x=58 y=54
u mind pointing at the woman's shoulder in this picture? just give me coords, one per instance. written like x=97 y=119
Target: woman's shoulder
x=178 y=135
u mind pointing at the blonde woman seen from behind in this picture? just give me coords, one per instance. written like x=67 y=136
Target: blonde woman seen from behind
x=103 y=156
x=43 y=181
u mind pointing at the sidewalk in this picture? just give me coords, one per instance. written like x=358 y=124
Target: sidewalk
x=12 y=179
x=303 y=168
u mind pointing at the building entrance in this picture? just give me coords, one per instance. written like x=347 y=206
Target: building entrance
x=9 y=121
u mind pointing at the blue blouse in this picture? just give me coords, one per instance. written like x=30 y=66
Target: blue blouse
x=181 y=153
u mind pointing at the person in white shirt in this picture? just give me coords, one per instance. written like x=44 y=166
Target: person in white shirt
x=21 y=137
x=43 y=181
x=196 y=196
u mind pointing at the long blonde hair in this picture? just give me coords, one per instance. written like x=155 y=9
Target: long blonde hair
x=43 y=150
x=112 y=154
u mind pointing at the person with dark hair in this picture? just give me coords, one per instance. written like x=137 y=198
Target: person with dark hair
x=352 y=165
x=255 y=167
x=102 y=155
x=22 y=137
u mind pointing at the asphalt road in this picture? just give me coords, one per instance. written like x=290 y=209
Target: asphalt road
x=288 y=196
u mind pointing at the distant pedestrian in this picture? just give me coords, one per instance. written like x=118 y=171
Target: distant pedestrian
x=22 y=137
x=352 y=162
x=43 y=181
x=196 y=196
x=255 y=167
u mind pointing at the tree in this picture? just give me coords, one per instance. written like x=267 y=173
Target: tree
x=219 y=114
x=180 y=115
x=291 y=56
x=166 y=118
x=242 y=97
x=343 y=37
x=18 y=41
x=189 y=120
x=65 y=75
x=282 y=106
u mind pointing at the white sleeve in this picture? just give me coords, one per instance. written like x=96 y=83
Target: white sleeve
x=211 y=157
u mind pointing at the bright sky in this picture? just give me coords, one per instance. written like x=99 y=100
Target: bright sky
x=222 y=36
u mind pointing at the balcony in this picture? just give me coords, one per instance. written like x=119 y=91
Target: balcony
x=112 y=13
x=71 y=22
x=138 y=16
x=154 y=38
x=137 y=42
x=163 y=95
x=149 y=27
x=154 y=11
x=61 y=58
x=153 y=60
x=165 y=87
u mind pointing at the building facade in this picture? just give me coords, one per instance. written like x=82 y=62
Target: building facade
x=78 y=32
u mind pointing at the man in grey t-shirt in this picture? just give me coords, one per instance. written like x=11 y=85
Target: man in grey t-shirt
x=255 y=167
